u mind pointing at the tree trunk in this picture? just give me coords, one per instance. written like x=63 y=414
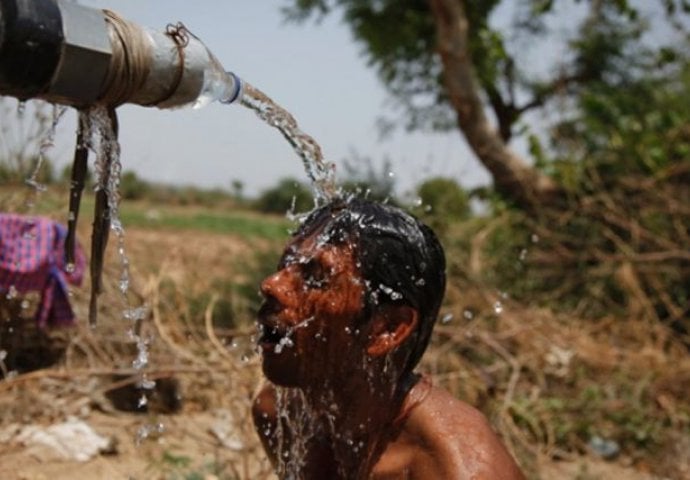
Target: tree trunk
x=513 y=177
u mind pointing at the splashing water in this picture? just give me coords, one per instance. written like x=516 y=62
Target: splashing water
x=296 y=423
x=103 y=142
x=47 y=143
x=320 y=172
x=145 y=431
x=101 y=138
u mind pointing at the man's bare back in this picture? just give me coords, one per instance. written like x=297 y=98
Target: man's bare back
x=444 y=438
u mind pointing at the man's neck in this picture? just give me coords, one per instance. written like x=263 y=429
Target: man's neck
x=358 y=420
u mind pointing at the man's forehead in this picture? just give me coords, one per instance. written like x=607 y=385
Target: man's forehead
x=302 y=249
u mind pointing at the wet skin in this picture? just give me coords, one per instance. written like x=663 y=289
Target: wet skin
x=308 y=321
x=441 y=438
x=316 y=297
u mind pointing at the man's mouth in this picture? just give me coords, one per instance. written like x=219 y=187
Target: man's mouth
x=270 y=336
x=269 y=332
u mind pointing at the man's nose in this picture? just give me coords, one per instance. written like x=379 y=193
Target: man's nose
x=278 y=286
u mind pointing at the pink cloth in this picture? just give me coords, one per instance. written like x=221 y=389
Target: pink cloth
x=32 y=258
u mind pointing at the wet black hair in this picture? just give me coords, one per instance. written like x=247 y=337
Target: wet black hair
x=400 y=259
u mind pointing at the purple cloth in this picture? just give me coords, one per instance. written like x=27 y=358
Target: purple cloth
x=32 y=258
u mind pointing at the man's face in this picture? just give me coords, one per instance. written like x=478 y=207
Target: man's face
x=308 y=322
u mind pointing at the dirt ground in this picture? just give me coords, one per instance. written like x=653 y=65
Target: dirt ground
x=186 y=446
x=190 y=436
x=210 y=435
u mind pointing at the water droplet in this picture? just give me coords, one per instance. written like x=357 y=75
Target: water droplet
x=134 y=314
x=392 y=294
x=284 y=342
x=447 y=318
x=147 y=384
x=142 y=359
x=145 y=431
x=12 y=293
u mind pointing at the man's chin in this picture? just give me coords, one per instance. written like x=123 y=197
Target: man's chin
x=278 y=373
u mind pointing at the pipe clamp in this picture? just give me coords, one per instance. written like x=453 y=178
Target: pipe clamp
x=85 y=57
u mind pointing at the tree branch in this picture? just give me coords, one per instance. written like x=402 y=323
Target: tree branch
x=559 y=84
x=513 y=178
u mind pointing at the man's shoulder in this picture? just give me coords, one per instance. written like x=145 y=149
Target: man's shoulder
x=461 y=435
x=264 y=405
x=442 y=410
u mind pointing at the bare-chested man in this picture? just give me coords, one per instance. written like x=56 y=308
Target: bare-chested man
x=346 y=319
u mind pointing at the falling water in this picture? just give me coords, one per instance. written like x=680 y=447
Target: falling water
x=46 y=144
x=295 y=416
x=101 y=138
x=103 y=142
x=320 y=172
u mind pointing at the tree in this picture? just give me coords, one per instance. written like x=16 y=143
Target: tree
x=132 y=187
x=447 y=66
x=25 y=137
x=606 y=198
x=441 y=202
x=288 y=195
x=362 y=178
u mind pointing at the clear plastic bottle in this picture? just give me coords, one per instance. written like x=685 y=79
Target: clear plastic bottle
x=218 y=85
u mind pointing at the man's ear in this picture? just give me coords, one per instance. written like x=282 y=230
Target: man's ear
x=391 y=325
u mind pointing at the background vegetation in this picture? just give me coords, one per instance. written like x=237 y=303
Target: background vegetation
x=567 y=317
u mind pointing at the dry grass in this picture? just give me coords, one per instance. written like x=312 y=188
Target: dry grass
x=549 y=381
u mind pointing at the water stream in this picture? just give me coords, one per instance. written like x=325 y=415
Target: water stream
x=47 y=143
x=320 y=173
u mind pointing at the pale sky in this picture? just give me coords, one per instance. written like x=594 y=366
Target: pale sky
x=313 y=70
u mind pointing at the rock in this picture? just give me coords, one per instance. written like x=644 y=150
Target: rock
x=72 y=440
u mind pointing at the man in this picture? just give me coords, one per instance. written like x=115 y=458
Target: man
x=346 y=318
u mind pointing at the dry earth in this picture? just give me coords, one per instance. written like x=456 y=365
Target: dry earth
x=211 y=436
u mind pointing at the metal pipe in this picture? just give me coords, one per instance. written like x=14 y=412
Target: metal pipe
x=65 y=53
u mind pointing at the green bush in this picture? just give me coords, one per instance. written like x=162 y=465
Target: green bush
x=442 y=200
x=288 y=195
